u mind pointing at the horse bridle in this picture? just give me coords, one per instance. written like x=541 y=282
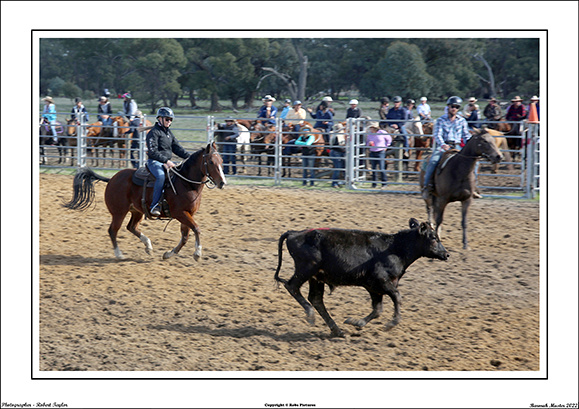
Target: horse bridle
x=209 y=182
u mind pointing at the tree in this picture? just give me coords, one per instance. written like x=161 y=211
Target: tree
x=402 y=71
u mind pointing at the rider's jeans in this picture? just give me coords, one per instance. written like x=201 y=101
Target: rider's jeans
x=157 y=169
x=432 y=162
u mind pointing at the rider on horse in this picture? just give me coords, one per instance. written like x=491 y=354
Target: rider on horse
x=161 y=144
x=449 y=131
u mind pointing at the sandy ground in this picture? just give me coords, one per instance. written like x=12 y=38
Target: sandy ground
x=479 y=311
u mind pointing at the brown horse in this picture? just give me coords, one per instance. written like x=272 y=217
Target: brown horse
x=502 y=144
x=123 y=196
x=422 y=143
x=454 y=179
x=262 y=139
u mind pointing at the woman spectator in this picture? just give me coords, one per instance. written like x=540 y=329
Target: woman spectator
x=324 y=119
x=378 y=141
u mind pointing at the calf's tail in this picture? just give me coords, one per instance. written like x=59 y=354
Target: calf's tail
x=280 y=255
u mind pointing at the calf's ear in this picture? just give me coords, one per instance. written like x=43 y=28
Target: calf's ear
x=413 y=223
x=423 y=228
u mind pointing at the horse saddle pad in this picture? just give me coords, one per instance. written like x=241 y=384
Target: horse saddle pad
x=445 y=158
x=141 y=175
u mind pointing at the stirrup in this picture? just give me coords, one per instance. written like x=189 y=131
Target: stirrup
x=155 y=211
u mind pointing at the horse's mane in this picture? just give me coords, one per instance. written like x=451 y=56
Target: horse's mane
x=188 y=163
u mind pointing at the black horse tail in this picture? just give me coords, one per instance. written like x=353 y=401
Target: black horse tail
x=83 y=187
x=280 y=254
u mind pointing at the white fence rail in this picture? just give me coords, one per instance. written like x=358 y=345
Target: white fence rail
x=282 y=164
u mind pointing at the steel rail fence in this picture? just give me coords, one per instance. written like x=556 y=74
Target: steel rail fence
x=279 y=162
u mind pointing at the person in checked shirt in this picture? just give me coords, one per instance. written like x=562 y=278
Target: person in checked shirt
x=450 y=132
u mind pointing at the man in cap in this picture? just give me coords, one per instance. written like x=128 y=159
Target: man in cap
x=354 y=111
x=226 y=136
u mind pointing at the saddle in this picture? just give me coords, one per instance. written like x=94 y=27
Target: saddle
x=143 y=177
x=446 y=156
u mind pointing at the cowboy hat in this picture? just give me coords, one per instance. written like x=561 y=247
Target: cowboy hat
x=534 y=98
x=353 y=101
x=373 y=124
x=268 y=98
x=515 y=99
x=472 y=99
x=47 y=98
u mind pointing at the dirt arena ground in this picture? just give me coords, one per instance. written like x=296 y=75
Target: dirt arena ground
x=479 y=311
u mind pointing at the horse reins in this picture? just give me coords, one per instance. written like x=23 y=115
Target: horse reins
x=205 y=174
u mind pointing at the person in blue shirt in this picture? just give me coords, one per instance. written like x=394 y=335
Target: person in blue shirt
x=449 y=131
x=267 y=113
x=324 y=118
x=49 y=115
x=305 y=141
x=398 y=115
x=286 y=108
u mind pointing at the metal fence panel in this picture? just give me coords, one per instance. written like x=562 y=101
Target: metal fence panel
x=279 y=162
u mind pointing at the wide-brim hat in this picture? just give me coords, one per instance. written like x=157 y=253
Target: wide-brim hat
x=516 y=99
x=298 y=102
x=373 y=124
x=472 y=99
x=47 y=98
x=103 y=99
x=268 y=98
x=534 y=98
x=492 y=99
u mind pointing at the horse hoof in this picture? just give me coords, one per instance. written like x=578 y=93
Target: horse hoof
x=167 y=255
x=337 y=332
x=355 y=322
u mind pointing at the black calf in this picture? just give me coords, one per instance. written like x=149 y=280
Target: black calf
x=338 y=257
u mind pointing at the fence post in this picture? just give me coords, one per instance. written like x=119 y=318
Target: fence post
x=142 y=142
x=350 y=157
x=531 y=161
x=278 y=152
x=80 y=143
x=210 y=128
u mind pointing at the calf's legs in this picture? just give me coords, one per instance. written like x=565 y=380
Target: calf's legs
x=316 y=297
x=376 y=311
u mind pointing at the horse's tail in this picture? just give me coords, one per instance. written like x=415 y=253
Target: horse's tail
x=83 y=187
x=280 y=255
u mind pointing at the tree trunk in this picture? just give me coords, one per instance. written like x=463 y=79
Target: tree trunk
x=491 y=80
x=303 y=77
x=215 y=107
x=192 y=99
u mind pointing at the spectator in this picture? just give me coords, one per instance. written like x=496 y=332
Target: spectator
x=78 y=111
x=328 y=102
x=493 y=112
x=161 y=144
x=423 y=110
x=378 y=141
x=383 y=111
x=399 y=114
x=324 y=119
x=354 y=111
x=105 y=112
x=467 y=111
x=267 y=113
x=450 y=131
x=286 y=108
x=306 y=141
x=130 y=109
x=337 y=153
x=473 y=115
x=227 y=135
x=516 y=113
x=413 y=126
x=49 y=116
x=296 y=116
